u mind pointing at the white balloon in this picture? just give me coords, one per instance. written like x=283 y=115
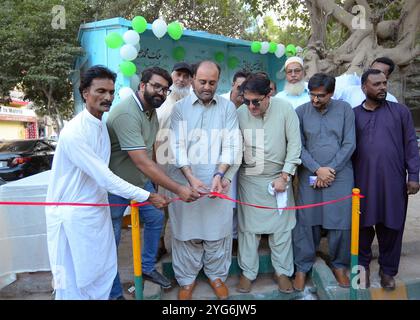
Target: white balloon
x=299 y=49
x=264 y=47
x=159 y=28
x=128 y=52
x=134 y=81
x=280 y=50
x=137 y=46
x=125 y=92
x=131 y=37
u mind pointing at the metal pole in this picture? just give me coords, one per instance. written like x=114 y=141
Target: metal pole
x=355 y=217
x=135 y=236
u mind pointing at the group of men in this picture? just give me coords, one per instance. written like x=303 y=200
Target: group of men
x=176 y=134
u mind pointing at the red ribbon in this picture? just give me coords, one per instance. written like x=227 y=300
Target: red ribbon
x=142 y=204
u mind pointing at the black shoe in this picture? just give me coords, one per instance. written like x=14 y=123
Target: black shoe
x=157 y=278
x=387 y=281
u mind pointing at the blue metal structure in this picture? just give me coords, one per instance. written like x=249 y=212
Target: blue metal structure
x=198 y=45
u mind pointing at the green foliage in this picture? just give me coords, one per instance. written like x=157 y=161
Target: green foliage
x=38 y=57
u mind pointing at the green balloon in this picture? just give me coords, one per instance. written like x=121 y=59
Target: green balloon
x=290 y=50
x=178 y=53
x=175 y=30
x=273 y=47
x=128 y=68
x=114 y=40
x=219 y=56
x=255 y=46
x=232 y=62
x=139 y=24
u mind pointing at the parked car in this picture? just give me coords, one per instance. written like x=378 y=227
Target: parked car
x=22 y=158
x=2 y=181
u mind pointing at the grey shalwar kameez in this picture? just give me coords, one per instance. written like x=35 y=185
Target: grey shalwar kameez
x=328 y=140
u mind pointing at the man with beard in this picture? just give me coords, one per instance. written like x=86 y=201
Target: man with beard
x=132 y=126
x=354 y=95
x=81 y=242
x=386 y=167
x=206 y=143
x=295 y=90
x=181 y=87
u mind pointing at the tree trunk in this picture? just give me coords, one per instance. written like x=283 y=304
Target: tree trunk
x=362 y=47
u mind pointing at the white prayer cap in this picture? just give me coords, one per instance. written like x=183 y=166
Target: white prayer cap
x=293 y=59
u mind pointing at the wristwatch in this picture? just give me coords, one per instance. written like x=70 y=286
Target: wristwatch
x=218 y=173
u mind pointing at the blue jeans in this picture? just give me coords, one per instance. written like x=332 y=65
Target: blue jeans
x=152 y=219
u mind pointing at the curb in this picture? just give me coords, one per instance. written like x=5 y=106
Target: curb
x=327 y=288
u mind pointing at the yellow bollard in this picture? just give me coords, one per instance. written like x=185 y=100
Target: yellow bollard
x=136 y=240
x=355 y=219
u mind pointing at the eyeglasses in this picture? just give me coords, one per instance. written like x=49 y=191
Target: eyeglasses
x=291 y=71
x=318 y=96
x=158 y=88
x=255 y=102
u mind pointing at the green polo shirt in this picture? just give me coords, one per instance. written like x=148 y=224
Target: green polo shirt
x=130 y=128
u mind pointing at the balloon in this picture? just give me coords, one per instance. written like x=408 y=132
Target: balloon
x=128 y=52
x=137 y=46
x=131 y=37
x=280 y=50
x=175 y=30
x=255 y=46
x=178 y=53
x=114 y=40
x=290 y=50
x=128 y=68
x=159 y=28
x=232 y=62
x=272 y=47
x=125 y=92
x=264 y=47
x=139 y=24
x=219 y=56
x=299 y=49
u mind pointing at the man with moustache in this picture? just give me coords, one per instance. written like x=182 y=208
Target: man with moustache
x=270 y=129
x=295 y=90
x=386 y=167
x=81 y=242
x=132 y=126
x=206 y=144
x=328 y=142
x=354 y=94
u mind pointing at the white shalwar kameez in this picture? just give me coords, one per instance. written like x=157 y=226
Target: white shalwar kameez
x=81 y=244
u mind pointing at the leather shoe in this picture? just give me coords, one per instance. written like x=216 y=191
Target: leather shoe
x=284 y=283
x=185 y=292
x=387 y=281
x=244 y=285
x=299 y=281
x=341 y=277
x=157 y=278
x=220 y=289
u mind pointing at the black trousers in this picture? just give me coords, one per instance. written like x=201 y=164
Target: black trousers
x=390 y=244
